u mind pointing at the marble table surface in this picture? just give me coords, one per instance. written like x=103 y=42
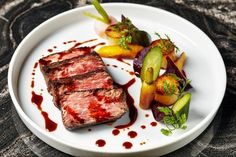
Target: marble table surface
x=217 y=18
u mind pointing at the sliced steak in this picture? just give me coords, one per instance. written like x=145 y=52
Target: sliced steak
x=61 y=56
x=99 y=79
x=80 y=109
x=71 y=67
x=75 y=66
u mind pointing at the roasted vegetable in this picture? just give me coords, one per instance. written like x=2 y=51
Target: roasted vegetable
x=167 y=48
x=167 y=89
x=103 y=21
x=147 y=95
x=115 y=51
x=180 y=61
x=152 y=59
x=138 y=60
x=158 y=116
x=182 y=105
x=149 y=73
x=101 y=11
x=100 y=27
x=124 y=33
x=173 y=69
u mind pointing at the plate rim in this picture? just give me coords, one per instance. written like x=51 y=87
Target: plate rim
x=196 y=131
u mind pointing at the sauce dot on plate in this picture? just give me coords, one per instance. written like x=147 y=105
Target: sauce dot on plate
x=143 y=126
x=100 y=143
x=50 y=50
x=153 y=124
x=127 y=145
x=132 y=134
x=115 y=132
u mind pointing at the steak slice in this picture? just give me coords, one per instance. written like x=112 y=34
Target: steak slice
x=75 y=66
x=80 y=109
x=94 y=80
x=61 y=56
x=71 y=67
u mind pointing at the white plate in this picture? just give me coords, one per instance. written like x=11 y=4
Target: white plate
x=204 y=67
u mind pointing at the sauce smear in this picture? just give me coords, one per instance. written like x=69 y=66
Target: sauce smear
x=32 y=84
x=127 y=145
x=100 y=143
x=133 y=113
x=94 y=46
x=121 y=60
x=80 y=43
x=49 y=124
x=36 y=65
x=37 y=100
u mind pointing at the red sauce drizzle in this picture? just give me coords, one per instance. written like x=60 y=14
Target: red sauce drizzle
x=37 y=100
x=121 y=60
x=32 y=83
x=100 y=143
x=115 y=132
x=131 y=73
x=44 y=62
x=133 y=113
x=94 y=46
x=50 y=50
x=115 y=66
x=127 y=145
x=49 y=124
x=80 y=43
x=143 y=126
x=35 y=65
x=132 y=134
x=153 y=124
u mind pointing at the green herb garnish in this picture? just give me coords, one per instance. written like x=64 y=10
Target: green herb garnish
x=184 y=84
x=166 y=44
x=124 y=41
x=172 y=121
x=169 y=89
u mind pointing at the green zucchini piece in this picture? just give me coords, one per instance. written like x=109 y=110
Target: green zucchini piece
x=181 y=106
x=153 y=59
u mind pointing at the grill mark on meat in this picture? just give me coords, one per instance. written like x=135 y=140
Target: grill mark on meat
x=76 y=66
x=98 y=79
x=93 y=80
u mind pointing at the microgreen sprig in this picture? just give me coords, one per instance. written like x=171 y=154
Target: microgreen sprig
x=172 y=121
